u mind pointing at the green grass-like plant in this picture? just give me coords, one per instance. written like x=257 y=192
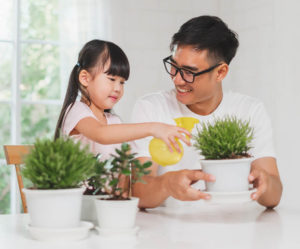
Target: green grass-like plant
x=109 y=173
x=226 y=138
x=58 y=164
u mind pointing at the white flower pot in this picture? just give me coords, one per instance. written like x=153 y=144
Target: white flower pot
x=231 y=174
x=116 y=213
x=88 y=210
x=54 y=208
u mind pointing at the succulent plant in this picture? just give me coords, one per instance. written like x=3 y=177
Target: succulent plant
x=109 y=173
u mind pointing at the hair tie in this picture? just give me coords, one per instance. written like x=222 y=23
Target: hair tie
x=78 y=64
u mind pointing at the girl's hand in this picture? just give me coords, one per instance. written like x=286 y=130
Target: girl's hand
x=168 y=133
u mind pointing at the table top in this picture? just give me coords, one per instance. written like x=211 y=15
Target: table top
x=244 y=225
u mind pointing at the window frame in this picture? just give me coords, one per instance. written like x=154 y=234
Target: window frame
x=15 y=102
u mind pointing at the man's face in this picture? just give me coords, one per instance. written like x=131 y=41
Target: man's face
x=205 y=87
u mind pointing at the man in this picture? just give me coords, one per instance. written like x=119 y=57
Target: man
x=202 y=50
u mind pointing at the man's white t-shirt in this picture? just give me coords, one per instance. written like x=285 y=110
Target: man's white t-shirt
x=164 y=107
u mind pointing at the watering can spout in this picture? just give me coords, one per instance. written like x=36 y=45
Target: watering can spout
x=159 y=150
x=187 y=123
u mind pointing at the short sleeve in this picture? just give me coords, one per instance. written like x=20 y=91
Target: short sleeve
x=77 y=112
x=262 y=144
x=142 y=112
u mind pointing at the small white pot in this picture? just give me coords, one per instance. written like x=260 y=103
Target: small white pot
x=231 y=174
x=58 y=208
x=116 y=213
x=88 y=210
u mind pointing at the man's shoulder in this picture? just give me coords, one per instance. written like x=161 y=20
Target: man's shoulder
x=239 y=99
x=158 y=97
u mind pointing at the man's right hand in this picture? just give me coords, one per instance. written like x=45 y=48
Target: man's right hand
x=178 y=184
x=174 y=183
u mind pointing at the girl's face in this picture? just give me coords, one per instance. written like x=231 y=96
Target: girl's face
x=104 y=90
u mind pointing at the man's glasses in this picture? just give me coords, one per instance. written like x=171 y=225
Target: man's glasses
x=186 y=75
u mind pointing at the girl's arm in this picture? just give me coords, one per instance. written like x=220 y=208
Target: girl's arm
x=119 y=133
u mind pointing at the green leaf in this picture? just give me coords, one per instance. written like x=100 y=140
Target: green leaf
x=126 y=172
x=147 y=164
x=114 y=182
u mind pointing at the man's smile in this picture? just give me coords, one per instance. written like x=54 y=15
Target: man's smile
x=182 y=90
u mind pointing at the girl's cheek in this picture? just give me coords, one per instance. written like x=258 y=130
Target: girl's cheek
x=121 y=89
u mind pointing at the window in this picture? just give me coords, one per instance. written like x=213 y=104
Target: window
x=38 y=48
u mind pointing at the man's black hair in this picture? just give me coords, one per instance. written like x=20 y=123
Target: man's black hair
x=208 y=33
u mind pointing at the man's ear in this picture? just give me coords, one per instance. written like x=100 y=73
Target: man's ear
x=84 y=78
x=222 y=72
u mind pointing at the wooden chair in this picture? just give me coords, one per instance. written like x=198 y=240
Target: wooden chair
x=15 y=155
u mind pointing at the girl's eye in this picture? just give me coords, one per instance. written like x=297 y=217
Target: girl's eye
x=112 y=79
x=122 y=82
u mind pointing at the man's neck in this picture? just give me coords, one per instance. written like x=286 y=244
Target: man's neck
x=207 y=106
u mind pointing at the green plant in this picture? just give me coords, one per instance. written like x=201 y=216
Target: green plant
x=226 y=138
x=110 y=175
x=95 y=184
x=58 y=164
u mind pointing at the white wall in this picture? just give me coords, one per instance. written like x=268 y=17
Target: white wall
x=266 y=65
x=144 y=30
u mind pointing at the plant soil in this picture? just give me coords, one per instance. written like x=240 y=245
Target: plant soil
x=233 y=156
x=91 y=192
x=119 y=198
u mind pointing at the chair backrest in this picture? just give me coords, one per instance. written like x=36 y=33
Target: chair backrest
x=15 y=155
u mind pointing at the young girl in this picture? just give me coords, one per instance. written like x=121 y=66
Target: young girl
x=99 y=76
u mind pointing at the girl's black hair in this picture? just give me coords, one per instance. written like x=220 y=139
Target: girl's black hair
x=92 y=57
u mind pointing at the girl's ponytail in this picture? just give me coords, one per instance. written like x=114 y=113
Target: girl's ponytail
x=70 y=98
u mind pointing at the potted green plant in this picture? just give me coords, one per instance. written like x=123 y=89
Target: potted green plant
x=56 y=170
x=94 y=189
x=118 y=210
x=225 y=145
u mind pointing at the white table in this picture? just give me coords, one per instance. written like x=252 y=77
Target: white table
x=238 y=226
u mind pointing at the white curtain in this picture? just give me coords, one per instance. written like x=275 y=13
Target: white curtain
x=80 y=22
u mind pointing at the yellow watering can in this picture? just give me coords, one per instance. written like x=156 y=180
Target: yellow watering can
x=160 y=152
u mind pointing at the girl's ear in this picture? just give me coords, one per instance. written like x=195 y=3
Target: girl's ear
x=84 y=77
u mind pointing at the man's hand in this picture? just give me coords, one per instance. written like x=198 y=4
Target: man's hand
x=174 y=183
x=260 y=180
x=178 y=184
x=265 y=178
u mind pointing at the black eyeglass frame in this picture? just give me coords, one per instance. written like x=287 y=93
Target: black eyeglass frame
x=178 y=69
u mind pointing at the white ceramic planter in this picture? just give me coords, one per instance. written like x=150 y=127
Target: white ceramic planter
x=88 y=210
x=59 y=208
x=116 y=213
x=231 y=175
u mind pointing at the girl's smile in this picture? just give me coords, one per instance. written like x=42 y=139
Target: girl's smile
x=114 y=98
